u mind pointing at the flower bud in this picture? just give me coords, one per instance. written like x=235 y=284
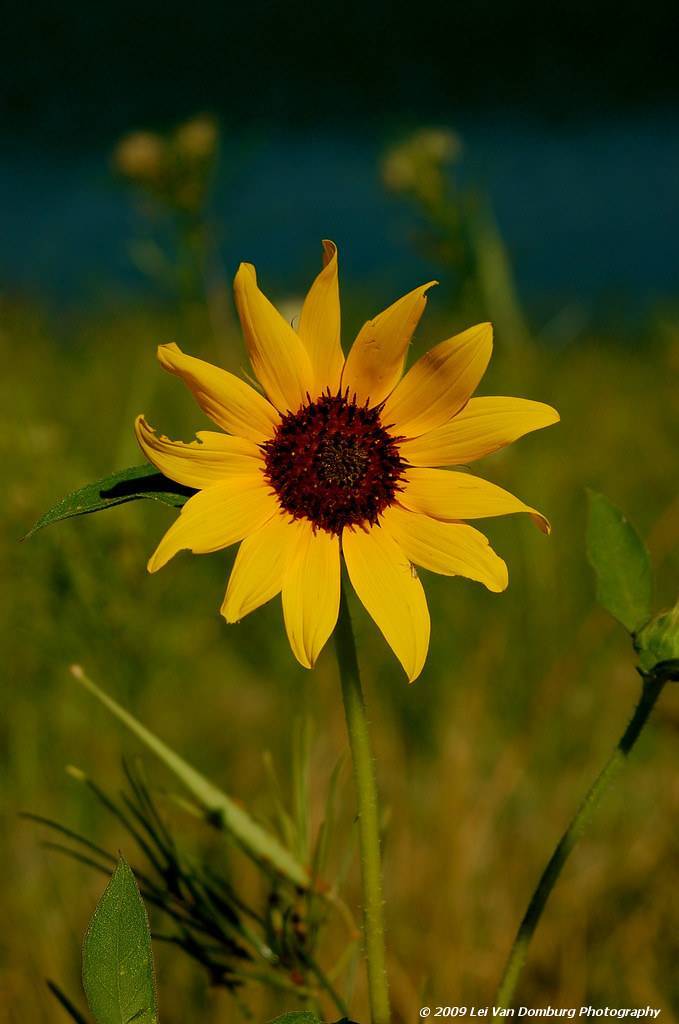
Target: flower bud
x=197 y=139
x=658 y=646
x=438 y=145
x=140 y=156
x=398 y=171
x=418 y=164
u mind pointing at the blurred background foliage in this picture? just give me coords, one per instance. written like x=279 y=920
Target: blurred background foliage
x=145 y=153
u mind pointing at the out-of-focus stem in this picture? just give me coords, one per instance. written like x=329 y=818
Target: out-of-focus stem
x=517 y=957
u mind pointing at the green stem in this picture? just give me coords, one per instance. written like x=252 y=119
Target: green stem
x=517 y=957
x=368 y=817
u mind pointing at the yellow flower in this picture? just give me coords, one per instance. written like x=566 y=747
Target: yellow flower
x=337 y=459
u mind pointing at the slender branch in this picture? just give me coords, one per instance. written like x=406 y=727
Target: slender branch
x=63 y=1000
x=221 y=810
x=326 y=984
x=649 y=695
x=368 y=816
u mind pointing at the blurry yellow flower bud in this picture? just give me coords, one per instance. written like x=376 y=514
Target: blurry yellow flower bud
x=197 y=139
x=416 y=164
x=140 y=156
x=398 y=170
x=438 y=144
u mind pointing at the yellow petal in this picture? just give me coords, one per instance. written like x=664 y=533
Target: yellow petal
x=212 y=458
x=311 y=591
x=439 y=383
x=277 y=354
x=375 y=363
x=230 y=402
x=216 y=517
x=391 y=592
x=451 y=549
x=450 y=496
x=257 y=573
x=482 y=427
x=319 y=325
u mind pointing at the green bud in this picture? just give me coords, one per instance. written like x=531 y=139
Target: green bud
x=658 y=646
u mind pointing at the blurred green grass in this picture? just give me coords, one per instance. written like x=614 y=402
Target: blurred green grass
x=481 y=762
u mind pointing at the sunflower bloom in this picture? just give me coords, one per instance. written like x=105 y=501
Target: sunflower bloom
x=341 y=457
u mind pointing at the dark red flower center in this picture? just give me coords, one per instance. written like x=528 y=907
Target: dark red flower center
x=334 y=463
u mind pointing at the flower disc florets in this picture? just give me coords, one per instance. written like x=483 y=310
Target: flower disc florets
x=334 y=463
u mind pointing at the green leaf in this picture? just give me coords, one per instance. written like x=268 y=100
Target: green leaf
x=219 y=807
x=117 y=960
x=126 y=485
x=620 y=561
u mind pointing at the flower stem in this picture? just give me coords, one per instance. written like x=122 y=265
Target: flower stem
x=368 y=816
x=517 y=957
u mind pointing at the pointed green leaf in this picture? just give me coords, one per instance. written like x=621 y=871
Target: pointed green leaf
x=620 y=561
x=117 y=960
x=126 y=485
x=219 y=807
